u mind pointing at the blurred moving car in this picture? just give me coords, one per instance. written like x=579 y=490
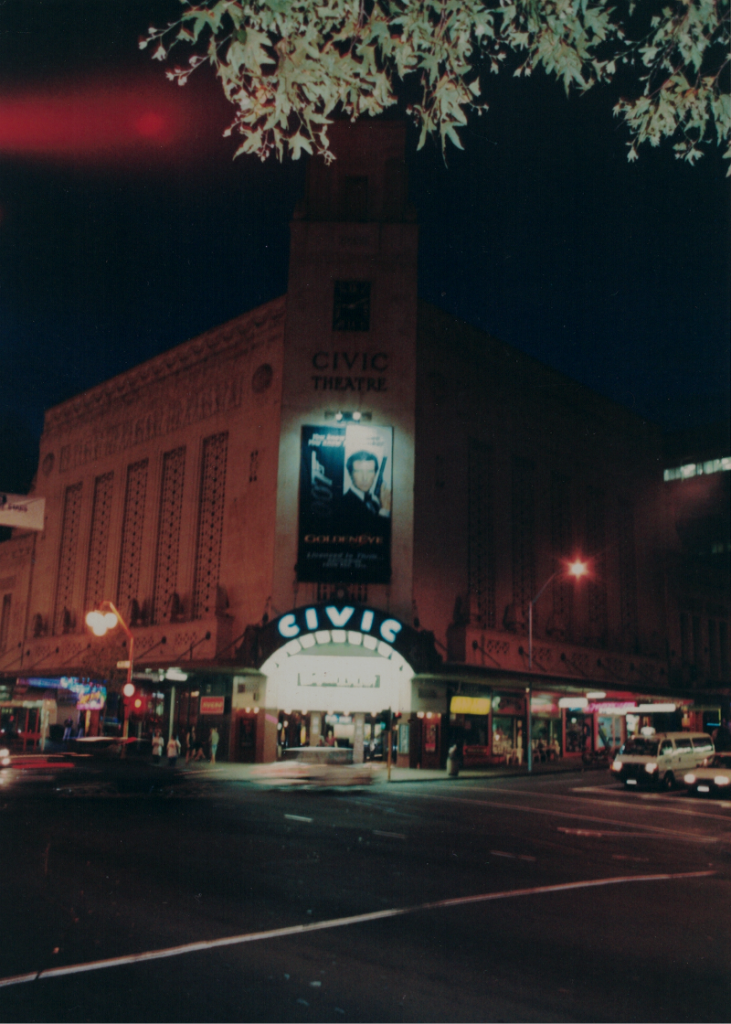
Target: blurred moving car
x=318 y=767
x=712 y=778
x=94 y=766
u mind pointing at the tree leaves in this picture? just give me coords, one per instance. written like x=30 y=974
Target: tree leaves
x=288 y=65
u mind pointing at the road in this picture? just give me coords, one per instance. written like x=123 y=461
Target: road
x=559 y=898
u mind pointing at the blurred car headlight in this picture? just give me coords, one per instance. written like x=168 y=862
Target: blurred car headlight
x=4 y=761
x=651 y=767
x=689 y=779
x=617 y=765
x=722 y=780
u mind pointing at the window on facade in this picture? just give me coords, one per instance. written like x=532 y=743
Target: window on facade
x=210 y=525
x=596 y=541
x=354 y=198
x=627 y=575
x=5 y=621
x=130 y=561
x=99 y=541
x=480 y=534
x=67 y=557
x=523 y=539
x=713 y=648
x=168 y=531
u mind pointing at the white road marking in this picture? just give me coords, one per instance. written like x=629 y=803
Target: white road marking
x=389 y=835
x=337 y=922
x=298 y=817
x=596 y=832
x=503 y=806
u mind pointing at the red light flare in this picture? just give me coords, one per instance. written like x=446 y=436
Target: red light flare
x=121 y=122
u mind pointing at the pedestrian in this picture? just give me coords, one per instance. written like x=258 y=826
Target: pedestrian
x=194 y=751
x=158 y=745
x=173 y=750
x=214 y=741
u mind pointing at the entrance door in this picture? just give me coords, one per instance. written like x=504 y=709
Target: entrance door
x=246 y=740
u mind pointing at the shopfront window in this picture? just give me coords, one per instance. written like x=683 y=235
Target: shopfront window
x=579 y=738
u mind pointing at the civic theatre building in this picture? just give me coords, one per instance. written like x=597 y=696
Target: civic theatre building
x=346 y=510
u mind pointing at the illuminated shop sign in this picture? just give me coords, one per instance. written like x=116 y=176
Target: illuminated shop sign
x=346 y=475
x=89 y=696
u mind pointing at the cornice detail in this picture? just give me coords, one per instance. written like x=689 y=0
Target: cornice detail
x=233 y=338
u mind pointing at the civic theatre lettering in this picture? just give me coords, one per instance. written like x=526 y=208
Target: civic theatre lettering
x=359 y=372
x=345 y=504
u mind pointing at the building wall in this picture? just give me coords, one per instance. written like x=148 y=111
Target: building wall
x=162 y=482
x=517 y=468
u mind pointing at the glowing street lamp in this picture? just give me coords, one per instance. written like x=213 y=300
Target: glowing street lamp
x=576 y=569
x=100 y=621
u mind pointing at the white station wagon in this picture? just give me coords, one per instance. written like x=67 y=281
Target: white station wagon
x=713 y=777
x=661 y=760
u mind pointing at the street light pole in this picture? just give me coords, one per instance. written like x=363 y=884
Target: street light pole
x=577 y=569
x=101 y=621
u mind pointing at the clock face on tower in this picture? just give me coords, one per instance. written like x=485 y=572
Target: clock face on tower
x=352 y=306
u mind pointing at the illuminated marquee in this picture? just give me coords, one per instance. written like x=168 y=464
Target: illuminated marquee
x=313 y=619
x=353 y=626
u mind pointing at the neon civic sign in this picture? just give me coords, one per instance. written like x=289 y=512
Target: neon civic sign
x=351 y=625
x=361 y=620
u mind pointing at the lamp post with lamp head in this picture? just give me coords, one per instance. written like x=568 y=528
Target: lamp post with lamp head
x=100 y=621
x=576 y=569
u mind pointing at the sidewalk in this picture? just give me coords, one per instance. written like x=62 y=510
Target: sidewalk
x=247 y=772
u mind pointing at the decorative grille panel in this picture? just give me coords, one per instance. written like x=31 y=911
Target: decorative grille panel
x=480 y=534
x=5 y=621
x=596 y=539
x=99 y=541
x=561 y=540
x=130 y=560
x=627 y=576
x=168 y=532
x=210 y=525
x=67 y=557
x=524 y=554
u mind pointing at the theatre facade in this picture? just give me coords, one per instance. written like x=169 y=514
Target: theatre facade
x=346 y=515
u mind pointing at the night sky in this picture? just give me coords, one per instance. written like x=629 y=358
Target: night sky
x=127 y=227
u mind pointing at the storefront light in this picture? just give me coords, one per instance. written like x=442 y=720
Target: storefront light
x=370 y=642
x=574 y=703
x=339 y=636
x=307 y=640
x=596 y=695
x=355 y=638
x=322 y=636
x=293 y=647
x=657 y=709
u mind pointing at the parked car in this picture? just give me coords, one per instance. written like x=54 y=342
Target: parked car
x=661 y=760
x=713 y=777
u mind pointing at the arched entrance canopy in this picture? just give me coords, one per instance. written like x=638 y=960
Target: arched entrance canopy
x=354 y=625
